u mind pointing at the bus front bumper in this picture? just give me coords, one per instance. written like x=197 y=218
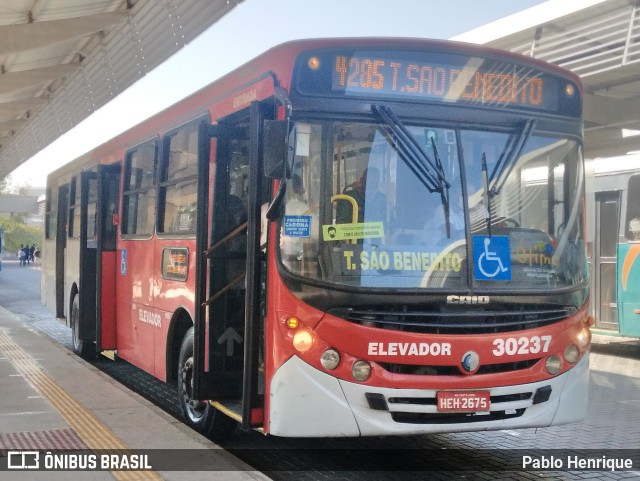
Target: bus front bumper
x=306 y=402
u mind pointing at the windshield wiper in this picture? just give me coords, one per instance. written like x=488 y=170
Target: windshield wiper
x=514 y=147
x=428 y=172
x=444 y=192
x=485 y=182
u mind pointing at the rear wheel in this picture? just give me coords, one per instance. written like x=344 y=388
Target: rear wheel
x=200 y=415
x=81 y=347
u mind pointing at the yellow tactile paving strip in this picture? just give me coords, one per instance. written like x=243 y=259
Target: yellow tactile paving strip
x=92 y=432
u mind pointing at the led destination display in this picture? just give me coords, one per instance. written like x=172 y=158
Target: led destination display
x=437 y=77
x=442 y=82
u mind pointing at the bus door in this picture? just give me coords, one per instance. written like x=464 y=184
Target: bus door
x=106 y=229
x=84 y=316
x=604 y=266
x=61 y=245
x=228 y=292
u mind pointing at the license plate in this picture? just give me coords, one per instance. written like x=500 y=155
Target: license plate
x=463 y=401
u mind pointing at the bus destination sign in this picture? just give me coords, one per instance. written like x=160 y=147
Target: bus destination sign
x=437 y=77
x=438 y=81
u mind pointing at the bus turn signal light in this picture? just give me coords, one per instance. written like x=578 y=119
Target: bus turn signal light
x=584 y=337
x=292 y=323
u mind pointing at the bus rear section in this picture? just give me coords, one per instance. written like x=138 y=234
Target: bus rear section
x=613 y=202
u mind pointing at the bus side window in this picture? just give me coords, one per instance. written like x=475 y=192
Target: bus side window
x=139 y=196
x=178 y=181
x=632 y=231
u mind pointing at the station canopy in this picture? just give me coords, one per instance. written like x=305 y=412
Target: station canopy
x=597 y=39
x=61 y=60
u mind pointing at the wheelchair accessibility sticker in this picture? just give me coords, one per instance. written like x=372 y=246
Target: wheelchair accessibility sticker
x=123 y=262
x=492 y=258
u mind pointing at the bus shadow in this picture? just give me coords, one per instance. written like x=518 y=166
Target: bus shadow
x=629 y=348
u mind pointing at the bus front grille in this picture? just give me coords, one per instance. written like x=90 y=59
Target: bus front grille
x=435 y=319
x=432 y=370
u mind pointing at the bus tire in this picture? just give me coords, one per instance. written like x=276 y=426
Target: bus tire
x=199 y=415
x=81 y=347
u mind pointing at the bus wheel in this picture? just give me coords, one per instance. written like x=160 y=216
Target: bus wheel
x=80 y=347
x=200 y=415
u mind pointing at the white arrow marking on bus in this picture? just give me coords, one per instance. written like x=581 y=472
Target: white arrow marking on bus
x=229 y=336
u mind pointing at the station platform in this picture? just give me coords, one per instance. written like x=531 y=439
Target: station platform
x=52 y=402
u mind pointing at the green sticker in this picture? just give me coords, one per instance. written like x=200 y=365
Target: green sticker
x=336 y=232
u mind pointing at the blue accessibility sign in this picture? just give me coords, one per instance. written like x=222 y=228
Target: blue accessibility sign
x=492 y=258
x=123 y=262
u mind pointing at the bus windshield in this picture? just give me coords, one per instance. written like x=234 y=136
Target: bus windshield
x=358 y=211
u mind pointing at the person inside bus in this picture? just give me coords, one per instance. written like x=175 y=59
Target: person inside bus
x=372 y=204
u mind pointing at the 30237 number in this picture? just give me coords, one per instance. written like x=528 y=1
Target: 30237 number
x=521 y=345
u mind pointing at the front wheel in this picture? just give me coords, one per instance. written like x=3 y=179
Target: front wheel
x=200 y=415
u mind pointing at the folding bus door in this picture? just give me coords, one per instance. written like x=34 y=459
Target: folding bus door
x=84 y=307
x=107 y=263
x=604 y=266
x=61 y=245
x=228 y=293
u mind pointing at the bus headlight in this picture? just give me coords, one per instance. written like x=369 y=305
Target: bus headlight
x=302 y=341
x=571 y=353
x=554 y=364
x=330 y=359
x=361 y=371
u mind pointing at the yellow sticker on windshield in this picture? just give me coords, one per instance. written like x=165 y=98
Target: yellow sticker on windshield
x=364 y=230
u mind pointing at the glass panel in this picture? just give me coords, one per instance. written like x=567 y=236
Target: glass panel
x=139 y=213
x=74 y=211
x=363 y=210
x=140 y=168
x=535 y=209
x=180 y=208
x=384 y=228
x=139 y=199
x=179 y=184
x=183 y=153
x=92 y=208
x=52 y=213
x=632 y=231
x=608 y=310
x=608 y=227
x=91 y=221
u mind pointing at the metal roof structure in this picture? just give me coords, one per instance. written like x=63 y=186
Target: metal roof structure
x=60 y=60
x=597 y=39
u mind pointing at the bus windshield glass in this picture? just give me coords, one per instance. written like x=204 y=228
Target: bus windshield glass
x=359 y=213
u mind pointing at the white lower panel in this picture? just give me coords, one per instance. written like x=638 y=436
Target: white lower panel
x=307 y=402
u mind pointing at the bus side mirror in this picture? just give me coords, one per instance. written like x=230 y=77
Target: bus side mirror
x=275 y=148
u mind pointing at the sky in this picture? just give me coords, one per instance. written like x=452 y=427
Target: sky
x=249 y=29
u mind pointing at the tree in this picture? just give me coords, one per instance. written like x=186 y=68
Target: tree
x=9 y=187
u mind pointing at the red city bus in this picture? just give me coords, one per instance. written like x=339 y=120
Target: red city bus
x=345 y=237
